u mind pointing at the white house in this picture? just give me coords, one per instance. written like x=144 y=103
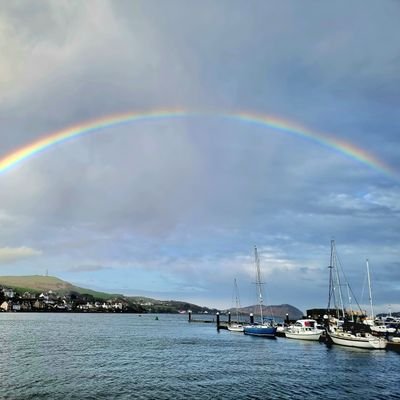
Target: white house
x=8 y=293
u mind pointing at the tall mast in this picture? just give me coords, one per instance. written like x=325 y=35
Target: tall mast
x=370 y=291
x=258 y=283
x=338 y=284
x=331 y=286
x=350 y=307
x=237 y=300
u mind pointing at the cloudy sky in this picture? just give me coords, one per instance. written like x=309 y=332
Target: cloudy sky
x=172 y=208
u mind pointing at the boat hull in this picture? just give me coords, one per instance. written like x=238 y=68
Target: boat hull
x=260 y=330
x=392 y=345
x=235 y=328
x=350 y=340
x=304 y=329
x=303 y=336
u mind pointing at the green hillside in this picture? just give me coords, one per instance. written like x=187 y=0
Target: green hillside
x=40 y=283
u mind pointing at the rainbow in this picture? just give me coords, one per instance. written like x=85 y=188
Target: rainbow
x=15 y=157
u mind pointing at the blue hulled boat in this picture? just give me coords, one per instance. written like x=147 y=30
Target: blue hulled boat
x=266 y=329
x=260 y=330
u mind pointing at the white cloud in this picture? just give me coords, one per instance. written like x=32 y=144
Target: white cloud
x=13 y=254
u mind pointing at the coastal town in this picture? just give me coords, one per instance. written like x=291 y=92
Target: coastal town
x=11 y=300
x=27 y=300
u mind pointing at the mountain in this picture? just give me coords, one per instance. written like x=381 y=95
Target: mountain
x=278 y=311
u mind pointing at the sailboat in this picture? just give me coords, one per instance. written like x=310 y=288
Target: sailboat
x=337 y=332
x=236 y=326
x=377 y=327
x=264 y=328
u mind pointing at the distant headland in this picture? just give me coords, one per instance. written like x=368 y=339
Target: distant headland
x=38 y=293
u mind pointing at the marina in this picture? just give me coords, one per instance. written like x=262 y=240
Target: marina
x=311 y=331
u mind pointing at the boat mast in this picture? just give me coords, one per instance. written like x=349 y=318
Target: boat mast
x=350 y=307
x=237 y=299
x=370 y=291
x=338 y=285
x=258 y=283
x=331 y=286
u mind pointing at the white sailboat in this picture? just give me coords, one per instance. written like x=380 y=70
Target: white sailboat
x=375 y=326
x=236 y=326
x=336 y=332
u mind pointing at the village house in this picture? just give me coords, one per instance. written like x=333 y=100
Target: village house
x=8 y=293
x=5 y=306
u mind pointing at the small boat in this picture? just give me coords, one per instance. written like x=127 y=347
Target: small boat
x=382 y=328
x=376 y=325
x=304 y=329
x=236 y=326
x=265 y=328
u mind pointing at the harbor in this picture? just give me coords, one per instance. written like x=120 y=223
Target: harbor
x=307 y=329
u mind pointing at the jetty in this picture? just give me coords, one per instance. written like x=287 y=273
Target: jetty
x=220 y=324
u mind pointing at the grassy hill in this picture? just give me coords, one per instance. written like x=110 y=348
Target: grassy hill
x=40 y=283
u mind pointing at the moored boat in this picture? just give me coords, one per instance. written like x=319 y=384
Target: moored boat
x=360 y=340
x=236 y=326
x=264 y=328
x=382 y=328
x=304 y=329
x=339 y=331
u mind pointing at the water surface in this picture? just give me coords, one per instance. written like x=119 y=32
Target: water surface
x=126 y=356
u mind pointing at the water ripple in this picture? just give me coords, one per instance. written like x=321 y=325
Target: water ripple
x=81 y=356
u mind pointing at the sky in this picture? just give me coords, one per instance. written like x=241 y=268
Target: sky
x=172 y=207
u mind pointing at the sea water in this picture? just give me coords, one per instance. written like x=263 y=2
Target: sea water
x=130 y=356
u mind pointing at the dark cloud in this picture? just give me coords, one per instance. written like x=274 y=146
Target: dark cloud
x=175 y=207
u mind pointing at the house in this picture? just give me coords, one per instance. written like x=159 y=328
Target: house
x=8 y=293
x=26 y=306
x=28 y=296
x=5 y=305
x=39 y=305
